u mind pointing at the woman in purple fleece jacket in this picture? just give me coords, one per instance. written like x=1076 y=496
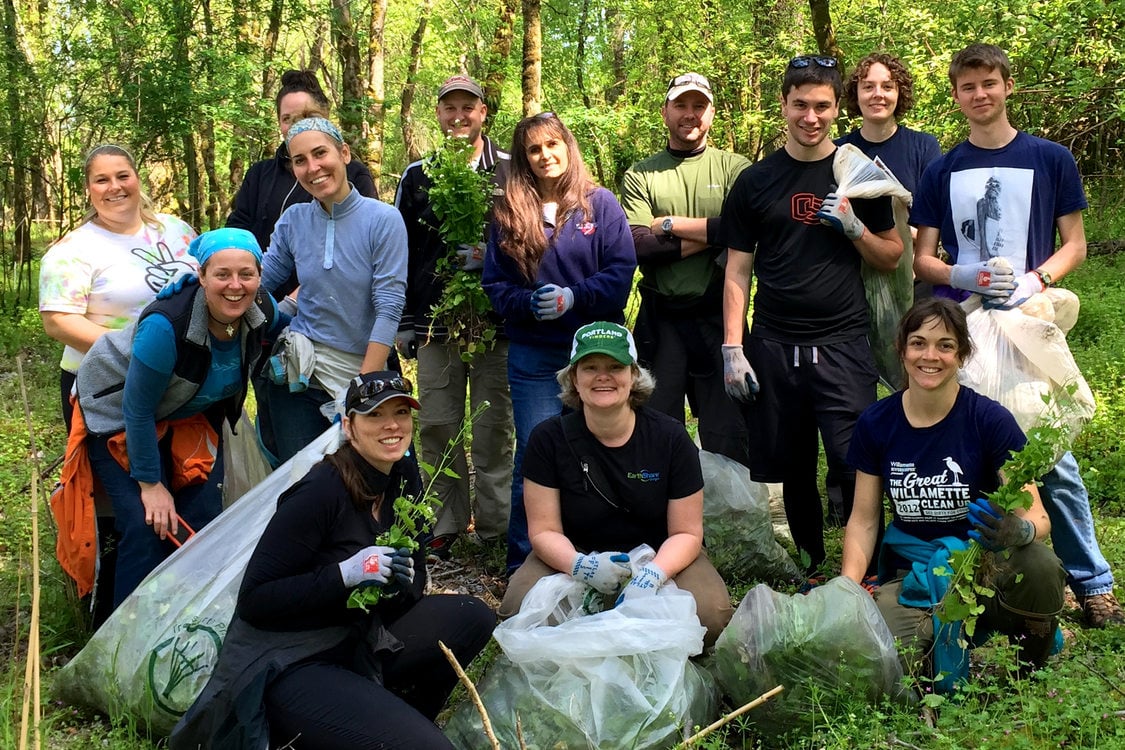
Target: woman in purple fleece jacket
x=560 y=256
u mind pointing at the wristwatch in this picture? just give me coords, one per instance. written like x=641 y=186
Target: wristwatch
x=1044 y=277
x=666 y=225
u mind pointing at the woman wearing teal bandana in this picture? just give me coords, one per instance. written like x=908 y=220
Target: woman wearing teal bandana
x=153 y=397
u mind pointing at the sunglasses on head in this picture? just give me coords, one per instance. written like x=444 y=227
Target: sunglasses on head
x=372 y=388
x=545 y=116
x=805 y=61
x=693 y=79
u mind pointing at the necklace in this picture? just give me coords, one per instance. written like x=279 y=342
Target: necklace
x=229 y=326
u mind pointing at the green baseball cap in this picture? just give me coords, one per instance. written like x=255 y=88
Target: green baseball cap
x=610 y=339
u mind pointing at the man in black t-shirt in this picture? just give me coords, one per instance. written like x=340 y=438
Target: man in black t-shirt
x=808 y=343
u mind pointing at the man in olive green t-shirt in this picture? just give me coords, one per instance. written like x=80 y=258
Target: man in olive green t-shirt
x=673 y=200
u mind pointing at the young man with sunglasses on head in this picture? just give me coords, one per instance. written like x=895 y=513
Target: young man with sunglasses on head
x=1005 y=193
x=807 y=365
x=673 y=200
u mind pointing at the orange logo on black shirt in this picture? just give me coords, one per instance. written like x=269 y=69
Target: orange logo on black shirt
x=804 y=207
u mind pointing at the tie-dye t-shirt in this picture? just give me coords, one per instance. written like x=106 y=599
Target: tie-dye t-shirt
x=109 y=277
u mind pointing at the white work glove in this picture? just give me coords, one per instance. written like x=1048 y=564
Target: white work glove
x=645 y=583
x=739 y=379
x=603 y=571
x=551 y=301
x=406 y=343
x=370 y=566
x=470 y=257
x=992 y=278
x=1026 y=285
x=836 y=212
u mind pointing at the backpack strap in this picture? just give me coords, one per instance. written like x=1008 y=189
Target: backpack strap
x=582 y=447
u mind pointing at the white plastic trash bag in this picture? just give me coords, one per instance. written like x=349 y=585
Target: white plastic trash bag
x=1024 y=362
x=889 y=295
x=618 y=679
x=149 y=661
x=244 y=464
x=826 y=645
x=737 y=528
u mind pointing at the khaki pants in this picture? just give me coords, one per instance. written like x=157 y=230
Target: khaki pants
x=712 y=601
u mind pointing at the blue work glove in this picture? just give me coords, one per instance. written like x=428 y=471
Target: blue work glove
x=406 y=342
x=402 y=566
x=1026 y=285
x=371 y=566
x=739 y=379
x=603 y=571
x=836 y=212
x=470 y=257
x=989 y=278
x=550 y=301
x=996 y=530
x=176 y=284
x=645 y=583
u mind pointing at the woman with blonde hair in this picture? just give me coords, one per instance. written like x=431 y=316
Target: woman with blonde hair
x=561 y=255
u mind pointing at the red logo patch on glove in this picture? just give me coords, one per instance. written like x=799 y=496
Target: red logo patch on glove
x=984 y=278
x=371 y=564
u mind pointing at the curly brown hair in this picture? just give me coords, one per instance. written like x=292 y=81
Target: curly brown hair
x=899 y=74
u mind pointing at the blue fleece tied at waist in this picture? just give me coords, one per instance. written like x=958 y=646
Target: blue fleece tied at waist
x=209 y=243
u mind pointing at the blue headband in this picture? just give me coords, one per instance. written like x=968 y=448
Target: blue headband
x=317 y=124
x=209 y=243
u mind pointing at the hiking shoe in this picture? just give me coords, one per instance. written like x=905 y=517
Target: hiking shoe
x=441 y=547
x=1101 y=610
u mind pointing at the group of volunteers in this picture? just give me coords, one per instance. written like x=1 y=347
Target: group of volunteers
x=315 y=289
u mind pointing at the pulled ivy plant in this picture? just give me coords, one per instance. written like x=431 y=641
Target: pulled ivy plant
x=416 y=514
x=460 y=198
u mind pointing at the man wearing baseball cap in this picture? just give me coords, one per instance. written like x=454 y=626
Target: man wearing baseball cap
x=444 y=378
x=673 y=200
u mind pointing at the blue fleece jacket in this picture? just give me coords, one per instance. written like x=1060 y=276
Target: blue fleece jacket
x=351 y=265
x=594 y=258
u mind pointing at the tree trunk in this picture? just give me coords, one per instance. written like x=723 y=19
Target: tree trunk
x=580 y=53
x=273 y=31
x=531 y=79
x=375 y=93
x=351 y=101
x=194 y=185
x=406 y=108
x=616 y=23
x=497 y=57
x=824 y=32
x=16 y=69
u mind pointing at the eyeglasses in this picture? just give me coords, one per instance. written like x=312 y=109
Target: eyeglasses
x=805 y=61
x=689 y=79
x=372 y=388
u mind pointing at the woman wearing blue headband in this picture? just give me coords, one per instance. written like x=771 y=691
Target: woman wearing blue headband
x=349 y=254
x=153 y=396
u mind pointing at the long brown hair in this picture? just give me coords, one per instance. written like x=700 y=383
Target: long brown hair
x=519 y=215
x=148 y=214
x=350 y=464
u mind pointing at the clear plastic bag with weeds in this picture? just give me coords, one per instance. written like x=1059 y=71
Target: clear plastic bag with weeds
x=737 y=526
x=829 y=644
x=621 y=678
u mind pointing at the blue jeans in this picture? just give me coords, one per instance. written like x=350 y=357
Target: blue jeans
x=535 y=398
x=140 y=550
x=1072 y=529
x=296 y=418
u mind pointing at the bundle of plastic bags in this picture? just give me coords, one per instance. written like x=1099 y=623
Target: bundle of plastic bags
x=621 y=678
x=150 y=660
x=737 y=527
x=889 y=295
x=827 y=645
x=1023 y=361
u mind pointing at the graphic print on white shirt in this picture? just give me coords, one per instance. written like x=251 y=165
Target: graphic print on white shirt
x=991 y=210
x=926 y=498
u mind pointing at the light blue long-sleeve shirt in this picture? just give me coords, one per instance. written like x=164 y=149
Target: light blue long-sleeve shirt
x=352 y=268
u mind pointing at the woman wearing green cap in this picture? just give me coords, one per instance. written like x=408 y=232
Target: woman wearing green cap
x=152 y=398
x=611 y=476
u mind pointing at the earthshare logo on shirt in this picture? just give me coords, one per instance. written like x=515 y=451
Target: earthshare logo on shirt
x=644 y=475
x=926 y=498
x=180 y=665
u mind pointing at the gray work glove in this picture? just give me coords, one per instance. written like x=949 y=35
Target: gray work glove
x=371 y=566
x=990 y=278
x=471 y=257
x=996 y=530
x=406 y=343
x=739 y=379
x=836 y=212
x=604 y=571
x=1026 y=285
x=551 y=301
x=402 y=566
x=646 y=582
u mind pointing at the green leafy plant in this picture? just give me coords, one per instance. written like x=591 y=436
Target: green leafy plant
x=972 y=567
x=415 y=514
x=460 y=197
